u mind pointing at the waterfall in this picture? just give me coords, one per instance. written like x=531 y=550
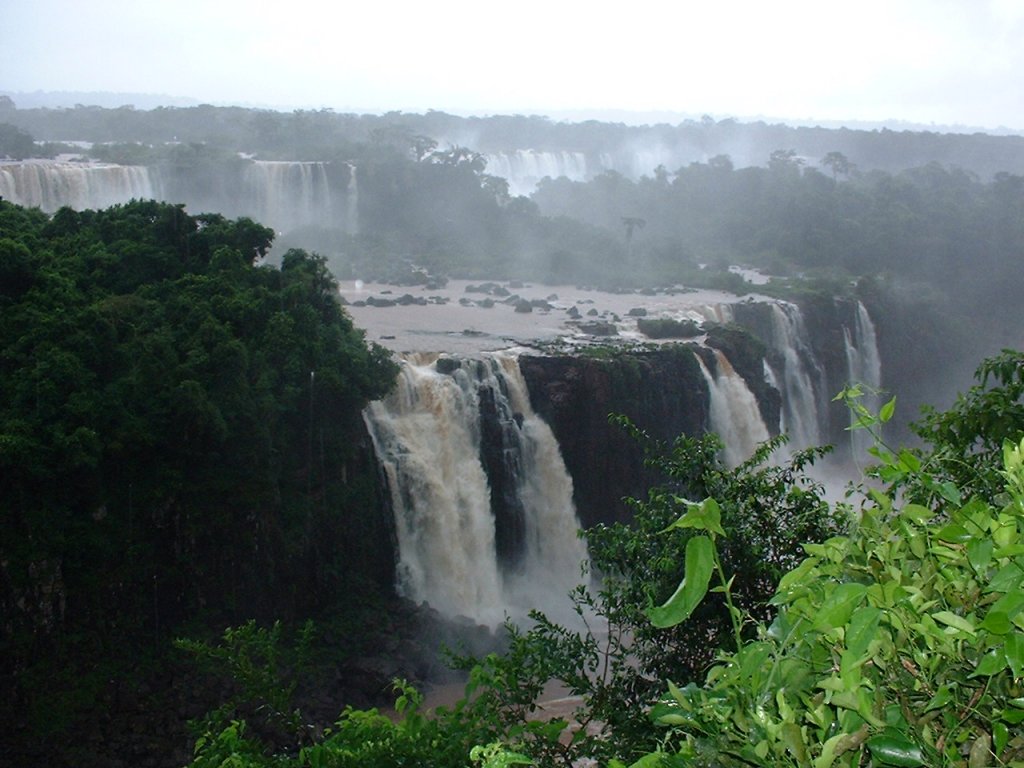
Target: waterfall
x=801 y=380
x=524 y=168
x=352 y=202
x=864 y=366
x=714 y=313
x=481 y=497
x=734 y=413
x=288 y=194
x=50 y=185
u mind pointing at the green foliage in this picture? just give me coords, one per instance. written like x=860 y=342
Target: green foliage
x=966 y=441
x=497 y=756
x=899 y=643
x=445 y=738
x=16 y=143
x=163 y=450
x=264 y=673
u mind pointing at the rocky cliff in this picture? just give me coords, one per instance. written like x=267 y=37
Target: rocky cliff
x=662 y=391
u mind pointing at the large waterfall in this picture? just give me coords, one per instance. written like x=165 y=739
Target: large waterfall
x=801 y=382
x=864 y=366
x=352 y=202
x=51 y=185
x=282 y=194
x=734 y=412
x=524 y=168
x=481 y=498
x=288 y=194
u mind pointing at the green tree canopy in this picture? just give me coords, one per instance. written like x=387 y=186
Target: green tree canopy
x=173 y=418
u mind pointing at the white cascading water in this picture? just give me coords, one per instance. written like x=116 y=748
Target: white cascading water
x=734 y=413
x=524 y=168
x=352 y=202
x=715 y=313
x=427 y=435
x=50 y=185
x=864 y=366
x=801 y=380
x=288 y=194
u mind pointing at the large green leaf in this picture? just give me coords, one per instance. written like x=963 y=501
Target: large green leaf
x=706 y=516
x=837 y=608
x=862 y=630
x=1014 y=649
x=894 y=749
x=951 y=619
x=700 y=562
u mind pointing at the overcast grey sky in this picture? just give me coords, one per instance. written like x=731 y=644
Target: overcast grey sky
x=925 y=61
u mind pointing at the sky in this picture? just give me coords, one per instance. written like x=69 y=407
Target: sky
x=930 y=62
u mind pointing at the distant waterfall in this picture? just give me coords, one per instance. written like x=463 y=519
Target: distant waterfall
x=864 y=366
x=524 y=168
x=288 y=194
x=801 y=380
x=734 y=412
x=51 y=185
x=715 y=313
x=481 y=497
x=352 y=202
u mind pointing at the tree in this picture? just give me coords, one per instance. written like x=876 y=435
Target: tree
x=838 y=163
x=422 y=147
x=459 y=157
x=721 y=163
x=15 y=143
x=785 y=160
x=632 y=223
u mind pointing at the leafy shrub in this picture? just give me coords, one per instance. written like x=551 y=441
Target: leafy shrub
x=901 y=643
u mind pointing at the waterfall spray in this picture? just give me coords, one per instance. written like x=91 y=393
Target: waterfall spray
x=431 y=438
x=52 y=185
x=801 y=380
x=864 y=366
x=734 y=412
x=288 y=194
x=352 y=202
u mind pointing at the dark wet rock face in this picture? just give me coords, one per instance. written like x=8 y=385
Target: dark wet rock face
x=661 y=391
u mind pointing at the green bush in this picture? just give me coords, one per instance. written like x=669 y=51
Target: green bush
x=901 y=643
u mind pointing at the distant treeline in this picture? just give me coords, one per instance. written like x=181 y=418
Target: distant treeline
x=326 y=135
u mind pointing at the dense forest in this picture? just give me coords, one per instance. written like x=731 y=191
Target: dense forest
x=164 y=456
x=181 y=448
